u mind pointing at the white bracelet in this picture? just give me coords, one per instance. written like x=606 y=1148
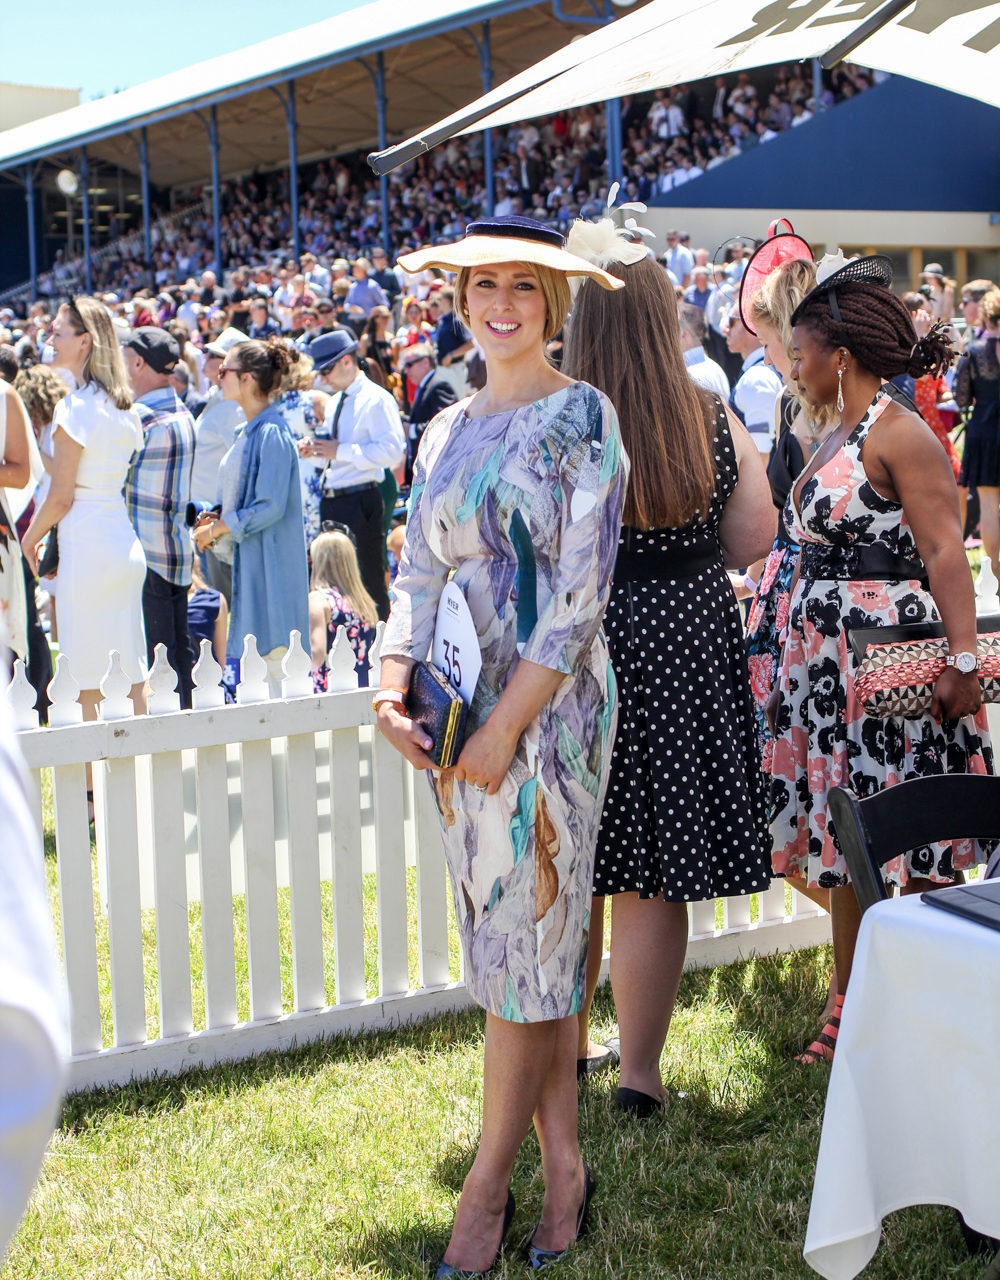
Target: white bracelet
x=388 y=695
x=749 y=583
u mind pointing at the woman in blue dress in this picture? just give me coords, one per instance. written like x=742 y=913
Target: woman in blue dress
x=518 y=492
x=262 y=510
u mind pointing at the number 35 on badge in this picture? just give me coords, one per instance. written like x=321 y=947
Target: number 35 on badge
x=456 y=644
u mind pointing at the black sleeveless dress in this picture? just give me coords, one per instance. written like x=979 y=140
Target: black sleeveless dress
x=685 y=809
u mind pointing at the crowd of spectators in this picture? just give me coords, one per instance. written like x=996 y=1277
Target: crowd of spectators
x=552 y=169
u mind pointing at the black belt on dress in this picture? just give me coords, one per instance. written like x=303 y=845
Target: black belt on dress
x=858 y=564
x=350 y=488
x=658 y=565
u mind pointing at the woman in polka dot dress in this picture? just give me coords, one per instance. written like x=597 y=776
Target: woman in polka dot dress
x=684 y=819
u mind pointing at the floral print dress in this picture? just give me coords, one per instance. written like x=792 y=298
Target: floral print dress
x=524 y=509
x=361 y=634
x=823 y=738
x=296 y=407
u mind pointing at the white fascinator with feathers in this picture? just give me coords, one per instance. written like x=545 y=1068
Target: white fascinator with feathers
x=604 y=241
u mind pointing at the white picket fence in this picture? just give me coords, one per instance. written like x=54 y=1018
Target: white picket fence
x=259 y=800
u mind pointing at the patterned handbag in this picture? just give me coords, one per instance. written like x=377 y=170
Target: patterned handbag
x=897 y=666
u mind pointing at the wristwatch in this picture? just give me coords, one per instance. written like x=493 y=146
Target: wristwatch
x=966 y=663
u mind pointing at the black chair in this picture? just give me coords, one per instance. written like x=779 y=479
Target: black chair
x=873 y=831
x=879 y=828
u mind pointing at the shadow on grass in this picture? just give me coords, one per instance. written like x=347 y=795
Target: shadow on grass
x=165 y=1092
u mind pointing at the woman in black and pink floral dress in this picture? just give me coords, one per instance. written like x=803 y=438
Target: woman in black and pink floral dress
x=876 y=515
x=337 y=598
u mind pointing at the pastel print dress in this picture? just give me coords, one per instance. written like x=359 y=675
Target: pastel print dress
x=296 y=407
x=524 y=508
x=823 y=738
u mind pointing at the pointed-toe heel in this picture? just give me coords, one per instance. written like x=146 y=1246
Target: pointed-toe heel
x=539 y=1259
x=446 y=1270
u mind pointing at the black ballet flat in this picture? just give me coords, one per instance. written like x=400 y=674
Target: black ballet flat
x=611 y=1057
x=446 y=1269
x=635 y=1103
x=539 y=1259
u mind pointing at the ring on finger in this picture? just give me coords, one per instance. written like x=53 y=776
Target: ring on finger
x=476 y=787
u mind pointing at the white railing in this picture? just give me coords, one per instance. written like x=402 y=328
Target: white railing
x=256 y=837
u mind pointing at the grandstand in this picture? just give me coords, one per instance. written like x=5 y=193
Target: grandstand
x=163 y=160
x=345 y=84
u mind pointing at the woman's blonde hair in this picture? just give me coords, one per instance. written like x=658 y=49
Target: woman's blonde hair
x=555 y=290
x=335 y=564
x=40 y=389
x=301 y=375
x=105 y=364
x=773 y=305
x=991 y=304
x=627 y=344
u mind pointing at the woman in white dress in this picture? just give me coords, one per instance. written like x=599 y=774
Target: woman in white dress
x=95 y=432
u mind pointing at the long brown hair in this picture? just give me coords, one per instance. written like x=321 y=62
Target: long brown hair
x=626 y=343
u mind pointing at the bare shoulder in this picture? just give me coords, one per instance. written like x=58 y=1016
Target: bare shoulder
x=899 y=430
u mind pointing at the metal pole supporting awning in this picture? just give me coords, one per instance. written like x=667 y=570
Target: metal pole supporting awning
x=953 y=44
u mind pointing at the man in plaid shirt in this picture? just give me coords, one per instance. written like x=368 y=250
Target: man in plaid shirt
x=157 y=492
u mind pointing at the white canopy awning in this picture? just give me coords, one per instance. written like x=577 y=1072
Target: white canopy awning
x=954 y=44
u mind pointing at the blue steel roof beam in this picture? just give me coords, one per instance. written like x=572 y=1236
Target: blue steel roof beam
x=296 y=72
x=602 y=15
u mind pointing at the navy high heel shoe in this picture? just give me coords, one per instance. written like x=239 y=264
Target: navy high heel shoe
x=446 y=1270
x=538 y=1259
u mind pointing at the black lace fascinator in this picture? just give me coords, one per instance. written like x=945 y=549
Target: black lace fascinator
x=834 y=270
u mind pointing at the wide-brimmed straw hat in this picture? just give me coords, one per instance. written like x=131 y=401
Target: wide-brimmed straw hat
x=492 y=241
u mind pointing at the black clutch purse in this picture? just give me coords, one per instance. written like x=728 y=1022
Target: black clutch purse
x=49 y=562
x=439 y=710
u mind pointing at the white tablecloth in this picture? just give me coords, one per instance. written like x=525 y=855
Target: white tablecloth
x=913 y=1112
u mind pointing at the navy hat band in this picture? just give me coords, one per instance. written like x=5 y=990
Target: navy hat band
x=517 y=228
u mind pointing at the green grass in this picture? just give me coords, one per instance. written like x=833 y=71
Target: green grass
x=345 y=1158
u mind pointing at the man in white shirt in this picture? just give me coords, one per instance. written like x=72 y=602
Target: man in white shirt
x=678 y=260
x=32 y=1005
x=189 y=309
x=316 y=275
x=702 y=370
x=757 y=388
x=364 y=436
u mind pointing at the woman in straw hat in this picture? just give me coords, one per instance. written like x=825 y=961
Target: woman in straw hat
x=518 y=491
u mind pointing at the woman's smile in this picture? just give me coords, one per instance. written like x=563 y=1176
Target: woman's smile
x=506 y=308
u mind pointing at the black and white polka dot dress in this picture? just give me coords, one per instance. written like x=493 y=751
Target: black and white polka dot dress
x=684 y=815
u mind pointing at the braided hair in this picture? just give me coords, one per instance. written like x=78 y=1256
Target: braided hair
x=877 y=329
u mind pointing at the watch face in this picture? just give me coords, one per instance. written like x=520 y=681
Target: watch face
x=966 y=662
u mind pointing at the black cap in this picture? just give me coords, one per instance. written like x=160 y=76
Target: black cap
x=158 y=348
